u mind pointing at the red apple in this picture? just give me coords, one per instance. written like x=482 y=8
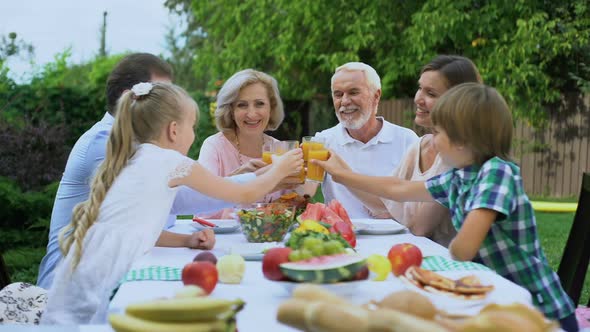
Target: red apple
x=402 y=256
x=271 y=261
x=205 y=256
x=202 y=274
x=362 y=274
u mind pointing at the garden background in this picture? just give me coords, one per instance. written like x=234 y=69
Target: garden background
x=536 y=53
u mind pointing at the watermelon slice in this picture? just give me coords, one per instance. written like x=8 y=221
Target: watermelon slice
x=339 y=209
x=313 y=211
x=324 y=269
x=330 y=217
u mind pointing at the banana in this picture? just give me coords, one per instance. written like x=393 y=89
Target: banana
x=186 y=309
x=126 y=323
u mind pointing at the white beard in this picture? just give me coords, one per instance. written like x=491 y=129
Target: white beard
x=351 y=123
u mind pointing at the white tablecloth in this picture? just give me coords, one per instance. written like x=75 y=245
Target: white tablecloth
x=262 y=296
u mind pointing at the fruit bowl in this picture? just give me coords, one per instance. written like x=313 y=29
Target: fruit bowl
x=266 y=222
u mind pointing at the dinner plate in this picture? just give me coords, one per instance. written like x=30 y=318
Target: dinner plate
x=345 y=288
x=378 y=226
x=253 y=251
x=446 y=302
x=224 y=226
x=360 y=227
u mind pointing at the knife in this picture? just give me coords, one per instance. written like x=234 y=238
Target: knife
x=203 y=222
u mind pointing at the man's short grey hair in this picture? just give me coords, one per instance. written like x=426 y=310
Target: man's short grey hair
x=370 y=74
x=230 y=91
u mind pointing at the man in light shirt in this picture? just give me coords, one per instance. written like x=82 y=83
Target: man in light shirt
x=367 y=142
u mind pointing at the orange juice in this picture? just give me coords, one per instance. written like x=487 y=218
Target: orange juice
x=305 y=147
x=315 y=172
x=267 y=157
x=302 y=175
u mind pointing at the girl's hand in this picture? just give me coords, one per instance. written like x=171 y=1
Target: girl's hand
x=289 y=163
x=204 y=239
x=333 y=164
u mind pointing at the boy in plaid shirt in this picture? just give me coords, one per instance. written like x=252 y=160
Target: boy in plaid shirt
x=484 y=191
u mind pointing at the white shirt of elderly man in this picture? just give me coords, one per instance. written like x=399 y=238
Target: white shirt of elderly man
x=368 y=143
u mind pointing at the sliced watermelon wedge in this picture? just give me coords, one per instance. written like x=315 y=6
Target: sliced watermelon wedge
x=337 y=207
x=313 y=211
x=324 y=269
x=330 y=217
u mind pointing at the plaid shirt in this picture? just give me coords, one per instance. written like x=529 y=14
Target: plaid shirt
x=511 y=247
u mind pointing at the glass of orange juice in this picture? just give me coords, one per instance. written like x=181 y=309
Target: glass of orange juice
x=317 y=151
x=290 y=145
x=267 y=151
x=305 y=144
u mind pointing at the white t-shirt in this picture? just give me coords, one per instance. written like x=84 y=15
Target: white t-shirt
x=129 y=223
x=377 y=157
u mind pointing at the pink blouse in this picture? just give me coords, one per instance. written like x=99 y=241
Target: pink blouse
x=220 y=157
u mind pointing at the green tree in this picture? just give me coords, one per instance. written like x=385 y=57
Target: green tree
x=531 y=50
x=11 y=46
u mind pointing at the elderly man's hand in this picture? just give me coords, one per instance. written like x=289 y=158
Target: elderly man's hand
x=204 y=239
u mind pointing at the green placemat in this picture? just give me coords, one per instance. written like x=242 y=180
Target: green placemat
x=439 y=263
x=160 y=273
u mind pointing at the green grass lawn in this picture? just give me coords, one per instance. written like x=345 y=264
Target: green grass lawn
x=553 y=232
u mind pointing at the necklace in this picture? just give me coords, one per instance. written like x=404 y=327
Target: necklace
x=238 y=147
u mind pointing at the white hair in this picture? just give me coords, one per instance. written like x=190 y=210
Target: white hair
x=370 y=74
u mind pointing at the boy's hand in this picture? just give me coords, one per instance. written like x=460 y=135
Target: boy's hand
x=204 y=239
x=333 y=164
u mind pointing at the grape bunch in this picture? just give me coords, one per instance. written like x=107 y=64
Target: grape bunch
x=314 y=247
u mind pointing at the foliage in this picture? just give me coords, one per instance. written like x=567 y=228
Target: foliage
x=61 y=93
x=25 y=215
x=206 y=127
x=44 y=157
x=182 y=45
x=532 y=51
x=11 y=46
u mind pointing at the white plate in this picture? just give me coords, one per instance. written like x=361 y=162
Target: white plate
x=253 y=251
x=447 y=302
x=378 y=226
x=360 y=227
x=223 y=225
x=345 y=288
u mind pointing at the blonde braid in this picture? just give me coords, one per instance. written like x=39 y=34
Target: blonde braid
x=119 y=150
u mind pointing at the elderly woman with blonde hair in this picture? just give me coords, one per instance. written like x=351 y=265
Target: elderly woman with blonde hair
x=248 y=105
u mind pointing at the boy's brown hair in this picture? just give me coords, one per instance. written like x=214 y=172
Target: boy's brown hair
x=476 y=116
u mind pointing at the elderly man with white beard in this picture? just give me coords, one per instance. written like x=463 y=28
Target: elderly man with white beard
x=367 y=142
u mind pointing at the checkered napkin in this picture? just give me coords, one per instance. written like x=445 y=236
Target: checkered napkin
x=160 y=273
x=439 y=263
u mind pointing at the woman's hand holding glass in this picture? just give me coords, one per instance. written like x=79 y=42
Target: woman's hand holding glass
x=253 y=165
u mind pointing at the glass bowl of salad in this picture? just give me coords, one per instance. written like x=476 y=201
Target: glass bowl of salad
x=266 y=222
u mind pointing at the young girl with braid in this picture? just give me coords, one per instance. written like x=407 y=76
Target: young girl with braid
x=490 y=210
x=131 y=197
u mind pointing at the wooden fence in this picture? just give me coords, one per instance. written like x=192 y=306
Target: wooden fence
x=551 y=159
